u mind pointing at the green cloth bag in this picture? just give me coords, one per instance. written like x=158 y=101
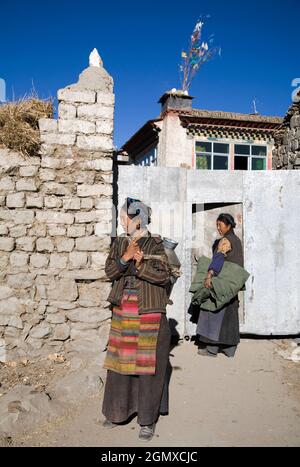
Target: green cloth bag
x=225 y=286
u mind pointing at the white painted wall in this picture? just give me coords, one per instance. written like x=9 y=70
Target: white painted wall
x=271 y=201
x=174 y=147
x=164 y=189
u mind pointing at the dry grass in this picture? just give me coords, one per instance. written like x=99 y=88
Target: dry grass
x=19 y=128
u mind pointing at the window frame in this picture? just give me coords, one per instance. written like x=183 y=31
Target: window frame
x=212 y=154
x=250 y=156
x=148 y=158
x=264 y=158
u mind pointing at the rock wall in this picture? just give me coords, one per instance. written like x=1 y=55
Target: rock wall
x=286 y=154
x=55 y=228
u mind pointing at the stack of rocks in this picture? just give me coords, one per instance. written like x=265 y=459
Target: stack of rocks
x=286 y=154
x=56 y=220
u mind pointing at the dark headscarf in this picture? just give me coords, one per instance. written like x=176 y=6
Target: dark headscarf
x=136 y=208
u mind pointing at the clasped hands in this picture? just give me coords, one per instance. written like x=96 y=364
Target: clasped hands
x=133 y=252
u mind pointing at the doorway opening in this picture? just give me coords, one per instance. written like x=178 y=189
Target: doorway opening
x=204 y=233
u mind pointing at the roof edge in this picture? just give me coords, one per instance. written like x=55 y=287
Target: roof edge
x=220 y=114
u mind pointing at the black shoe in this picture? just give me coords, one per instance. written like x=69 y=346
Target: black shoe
x=147 y=432
x=108 y=424
x=226 y=355
x=205 y=353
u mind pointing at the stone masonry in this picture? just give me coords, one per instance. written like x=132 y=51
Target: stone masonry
x=286 y=154
x=55 y=228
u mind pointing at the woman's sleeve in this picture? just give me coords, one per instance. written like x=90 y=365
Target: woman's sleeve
x=153 y=270
x=218 y=258
x=114 y=268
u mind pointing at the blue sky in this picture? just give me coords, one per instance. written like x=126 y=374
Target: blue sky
x=140 y=42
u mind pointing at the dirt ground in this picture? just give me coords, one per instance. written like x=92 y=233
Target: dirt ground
x=38 y=374
x=250 y=400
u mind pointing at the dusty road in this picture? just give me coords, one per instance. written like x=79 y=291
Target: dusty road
x=251 y=400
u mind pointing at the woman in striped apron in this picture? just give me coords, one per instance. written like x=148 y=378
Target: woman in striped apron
x=139 y=341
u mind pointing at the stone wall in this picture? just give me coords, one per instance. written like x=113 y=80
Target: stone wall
x=55 y=228
x=286 y=154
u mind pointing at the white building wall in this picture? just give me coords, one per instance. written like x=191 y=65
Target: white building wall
x=271 y=225
x=175 y=149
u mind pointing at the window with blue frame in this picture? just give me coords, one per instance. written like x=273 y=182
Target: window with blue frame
x=212 y=155
x=250 y=157
x=149 y=157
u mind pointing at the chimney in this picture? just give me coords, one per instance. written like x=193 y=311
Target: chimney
x=175 y=99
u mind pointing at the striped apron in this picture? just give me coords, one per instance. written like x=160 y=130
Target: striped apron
x=133 y=338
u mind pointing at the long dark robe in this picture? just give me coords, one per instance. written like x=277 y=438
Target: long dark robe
x=146 y=395
x=222 y=327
